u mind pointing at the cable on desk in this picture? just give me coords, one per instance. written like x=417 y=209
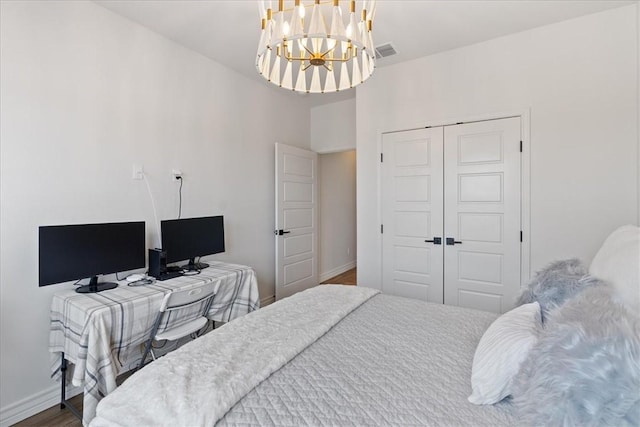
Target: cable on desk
x=142 y=282
x=191 y=273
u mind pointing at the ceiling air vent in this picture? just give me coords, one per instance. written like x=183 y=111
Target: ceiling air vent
x=385 y=50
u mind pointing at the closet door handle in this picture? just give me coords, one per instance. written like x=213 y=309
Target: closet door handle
x=435 y=241
x=452 y=241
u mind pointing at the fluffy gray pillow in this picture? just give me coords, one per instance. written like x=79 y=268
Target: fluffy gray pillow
x=585 y=368
x=555 y=284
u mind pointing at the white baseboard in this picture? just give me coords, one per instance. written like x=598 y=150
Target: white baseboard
x=23 y=409
x=268 y=300
x=322 y=277
x=338 y=270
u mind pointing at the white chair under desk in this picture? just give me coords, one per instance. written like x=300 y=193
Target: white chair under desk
x=178 y=300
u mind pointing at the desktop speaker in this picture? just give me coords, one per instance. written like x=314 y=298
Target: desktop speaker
x=157 y=262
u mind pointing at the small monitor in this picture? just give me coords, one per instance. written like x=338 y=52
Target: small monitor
x=189 y=238
x=73 y=252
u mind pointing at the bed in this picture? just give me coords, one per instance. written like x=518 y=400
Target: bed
x=343 y=355
x=349 y=355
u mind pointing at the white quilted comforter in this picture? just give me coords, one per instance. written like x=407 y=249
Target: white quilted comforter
x=390 y=361
x=198 y=383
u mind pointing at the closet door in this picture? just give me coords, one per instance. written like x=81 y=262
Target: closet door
x=482 y=214
x=412 y=192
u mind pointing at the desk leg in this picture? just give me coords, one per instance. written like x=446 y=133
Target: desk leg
x=63 y=371
x=63 y=391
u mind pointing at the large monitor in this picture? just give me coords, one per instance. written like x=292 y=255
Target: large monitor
x=190 y=238
x=74 y=252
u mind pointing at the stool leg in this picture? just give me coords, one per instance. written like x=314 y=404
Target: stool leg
x=63 y=372
x=63 y=391
x=147 y=348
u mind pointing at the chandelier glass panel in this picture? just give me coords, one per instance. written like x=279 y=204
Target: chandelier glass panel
x=300 y=52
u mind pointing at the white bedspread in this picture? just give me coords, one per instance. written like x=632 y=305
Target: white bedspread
x=393 y=362
x=198 y=383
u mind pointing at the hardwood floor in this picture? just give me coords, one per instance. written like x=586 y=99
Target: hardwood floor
x=347 y=278
x=56 y=417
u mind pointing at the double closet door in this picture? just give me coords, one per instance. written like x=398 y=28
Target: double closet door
x=451 y=230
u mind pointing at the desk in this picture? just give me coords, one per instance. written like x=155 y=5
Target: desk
x=100 y=334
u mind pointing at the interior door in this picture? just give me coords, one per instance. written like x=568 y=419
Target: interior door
x=296 y=220
x=482 y=214
x=412 y=191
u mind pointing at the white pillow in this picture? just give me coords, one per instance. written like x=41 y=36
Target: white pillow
x=501 y=351
x=618 y=262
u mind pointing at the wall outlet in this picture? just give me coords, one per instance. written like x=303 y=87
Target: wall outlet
x=138 y=172
x=348 y=251
x=176 y=174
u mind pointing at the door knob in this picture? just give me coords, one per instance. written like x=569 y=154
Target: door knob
x=435 y=241
x=452 y=241
x=281 y=232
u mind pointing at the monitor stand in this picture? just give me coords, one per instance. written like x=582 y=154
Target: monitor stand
x=195 y=265
x=93 y=286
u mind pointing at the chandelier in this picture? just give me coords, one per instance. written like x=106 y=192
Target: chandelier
x=306 y=55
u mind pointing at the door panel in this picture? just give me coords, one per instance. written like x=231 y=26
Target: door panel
x=480 y=267
x=296 y=207
x=296 y=272
x=412 y=192
x=480 y=187
x=479 y=148
x=482 y=212
x=410 y=223
x=298 y=245
x=298 y=218
x=297 y=192
x=484 y=301
x=480 y=227
x=412 y=289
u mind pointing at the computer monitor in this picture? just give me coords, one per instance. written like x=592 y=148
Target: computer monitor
x=189 y=238
x=73 y=252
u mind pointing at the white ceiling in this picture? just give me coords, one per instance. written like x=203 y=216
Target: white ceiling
x=228 y=31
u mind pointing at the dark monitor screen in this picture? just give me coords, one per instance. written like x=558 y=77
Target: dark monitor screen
x=72 y=252
x=188 y=238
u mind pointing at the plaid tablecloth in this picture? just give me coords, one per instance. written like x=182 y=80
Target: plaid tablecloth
x=100 y=334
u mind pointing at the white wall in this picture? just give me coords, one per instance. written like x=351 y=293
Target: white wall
x=333 y=126
x=579 y=80
x=84 y=95
x=337 y=213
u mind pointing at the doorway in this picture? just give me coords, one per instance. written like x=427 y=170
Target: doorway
x=337 y=250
